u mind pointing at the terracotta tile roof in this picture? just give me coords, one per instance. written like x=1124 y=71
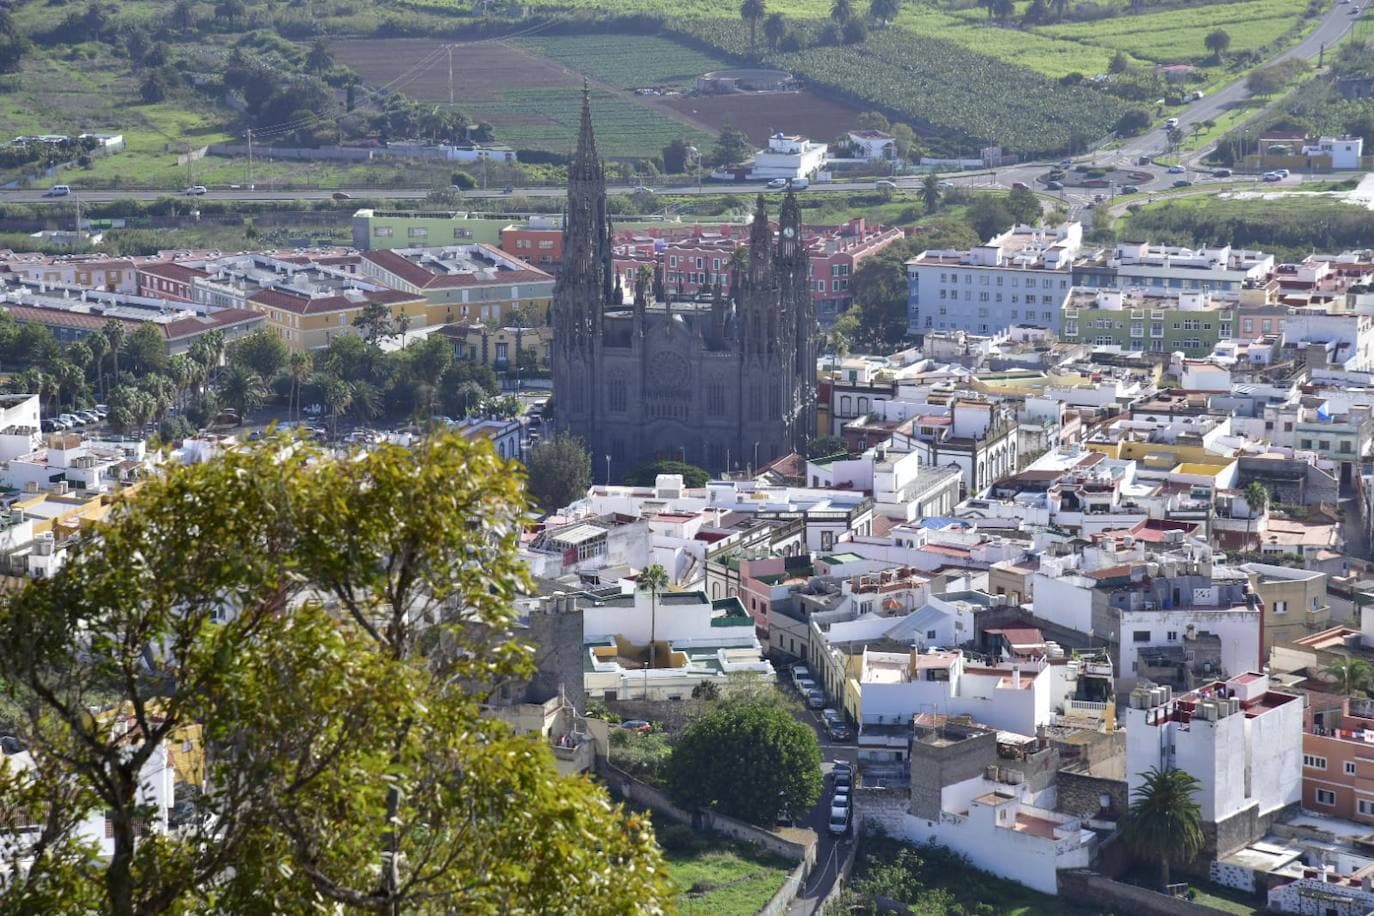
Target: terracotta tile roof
x=64 y=319
x=171 y=271
x=305 y=305
x=225 y=318
x=423 y=278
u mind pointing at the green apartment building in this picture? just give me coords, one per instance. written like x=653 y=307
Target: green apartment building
x=1135 y=321
x=382 y=230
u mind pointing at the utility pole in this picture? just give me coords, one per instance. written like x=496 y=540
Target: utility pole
x=250 y=158
x=450 y=74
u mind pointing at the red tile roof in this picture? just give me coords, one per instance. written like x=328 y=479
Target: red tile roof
x=171 y=271
x=424 y=278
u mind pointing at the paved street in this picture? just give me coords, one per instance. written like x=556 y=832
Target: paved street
x=830 y=850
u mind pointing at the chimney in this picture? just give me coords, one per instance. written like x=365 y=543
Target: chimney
x=1016 y=677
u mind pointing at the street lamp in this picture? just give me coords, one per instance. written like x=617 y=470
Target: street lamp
x=755 y=468
x=608 y=470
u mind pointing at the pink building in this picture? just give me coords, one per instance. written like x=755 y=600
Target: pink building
x=692 y=260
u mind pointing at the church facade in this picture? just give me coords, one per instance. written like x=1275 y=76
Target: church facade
x=723 y=380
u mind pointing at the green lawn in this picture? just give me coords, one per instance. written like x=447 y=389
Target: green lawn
x=718 y=877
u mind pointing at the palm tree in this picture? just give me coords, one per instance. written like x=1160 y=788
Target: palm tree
x=1257 y=498
x=114 y=335
x=1164 y=822
x=1352 y=675
x=751 y=11
x=841 y=11
x=884 y=11
x=654 y=580
x=930 y=193
x=299 y=367
x=338 y=395
x=774 y=28
x=243 y=390
x=98 y=346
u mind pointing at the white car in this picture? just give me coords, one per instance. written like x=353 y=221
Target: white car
x=1272 y=176
x=58 y=190
x=778 y=183
x=1176 y=170
x=195 y=190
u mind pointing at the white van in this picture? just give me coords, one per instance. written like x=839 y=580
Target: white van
x=58 y=190
x=798 y=184
x=1171 y=123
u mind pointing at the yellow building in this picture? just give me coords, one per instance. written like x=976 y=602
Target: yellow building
x=497 y=347
x=464 y=283
x=311 y=322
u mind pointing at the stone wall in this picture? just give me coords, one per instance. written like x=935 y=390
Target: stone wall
x=1102 y=894
x=1292 y=481
x=1234 y=876
x=937 y=764
x=1081 y=795
x=647 y=796
x=1239 y=830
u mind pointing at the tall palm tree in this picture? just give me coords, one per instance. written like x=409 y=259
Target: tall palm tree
x=243 y=390
x=1257 y=498
x=1352 y=675
x=114 y=336
x=1164 y=821
x=99 y=346
x=774 y=28
x=654 y=580
x=751 y=11
x=299 y=367
x=338 y=396
x=841 y=11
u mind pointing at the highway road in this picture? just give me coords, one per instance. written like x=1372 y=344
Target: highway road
x=1333 y=26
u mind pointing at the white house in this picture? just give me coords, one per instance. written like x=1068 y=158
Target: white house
x=788 y=157
x=1345 y=152
x=873 y=144
x=896 y=686
x=1241 y=740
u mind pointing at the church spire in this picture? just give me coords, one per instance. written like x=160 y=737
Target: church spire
x=586 y=162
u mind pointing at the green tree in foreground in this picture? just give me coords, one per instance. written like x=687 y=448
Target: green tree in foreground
x=749 y=759
x=349 y=764
x=560 y=471
x=1164 y=822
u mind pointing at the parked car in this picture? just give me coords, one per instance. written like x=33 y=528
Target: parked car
x=1170 y=123
x=196 y=190
x=1282 y=173
x=885 y=185
x=90 y=416
x=838 y=731
x=73 y=419
x=636 y=725
x=1055 y=185
x=47 y=425
x=1221 y=173
x=805 y=686
x=815 y=698
x=843 y=778
x=1130 y=189
x=1176 y=170
x=839 y=820
x=1197 y=94
x=58 y=190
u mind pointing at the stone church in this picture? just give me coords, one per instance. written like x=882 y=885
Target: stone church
x=725 y=380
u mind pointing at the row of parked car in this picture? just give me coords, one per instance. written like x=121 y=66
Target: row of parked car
x=841 y=811
x=75 y=420
x=815 y=698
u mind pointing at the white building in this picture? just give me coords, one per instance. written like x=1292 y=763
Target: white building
x=1241 y=740
x=873 y=144
x=895 y=686
x=1022 y=276
x=788 y=157
x=694 y=639
x=1345 y=152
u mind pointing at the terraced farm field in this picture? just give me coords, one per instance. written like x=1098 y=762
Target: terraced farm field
x=761 y=114
x=532 y=102
x=628 y=61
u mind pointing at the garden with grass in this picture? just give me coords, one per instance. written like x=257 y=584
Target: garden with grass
x=716 y=876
